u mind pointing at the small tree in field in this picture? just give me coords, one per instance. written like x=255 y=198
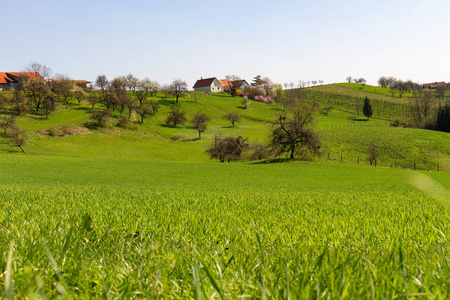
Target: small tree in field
x=178 y=89
x=176 y=117
x=101 y=116
x=372 y=152
x=16 y=137
x=367 y=108
x=199 y=122
x=296 y=134
x=227 y=149
x=233 y=117
x=144 y=111
x=155 y=106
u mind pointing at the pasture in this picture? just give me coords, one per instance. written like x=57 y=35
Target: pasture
x=92 y=228
x=115 y=213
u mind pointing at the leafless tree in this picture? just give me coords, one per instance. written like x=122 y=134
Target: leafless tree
x=296 y=134
x=19 y=102
x=176 y=117
x=349 y=79
x=314 y=82
x=372 y=153
x=37 y=90
x=102 y=84
x=233 y=117
x=141 y=96
x=199 y=122
x=101 y=116
x=228 y=148
x=144 y=111
x=233 y=77
x=422 y=108
x=441 y=90
x=42 y=69
x=49 y=103
x=7 y=122
x=178 y=89
x=16 y=137
x=321 y=82
x=132 y=82
x=78 y=93
x=93 y=99
x=154 y=105
x=63 y=85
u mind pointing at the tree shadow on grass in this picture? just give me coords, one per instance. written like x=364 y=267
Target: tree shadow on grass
x=271 y=161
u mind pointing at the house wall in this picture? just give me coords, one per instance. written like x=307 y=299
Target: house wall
x=216 y=86
x=7 y=86
x=213 y=88
x=203 y=89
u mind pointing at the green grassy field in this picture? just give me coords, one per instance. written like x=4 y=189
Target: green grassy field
x=109 y=228
x=373 y=89
x=114 y=213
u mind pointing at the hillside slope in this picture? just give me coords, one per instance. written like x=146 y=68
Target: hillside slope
x=154 y=140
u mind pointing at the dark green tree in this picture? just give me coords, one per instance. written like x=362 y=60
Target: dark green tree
x=367 y=108
x=443 y=118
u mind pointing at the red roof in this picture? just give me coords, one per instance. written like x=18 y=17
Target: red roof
x=204 y=82
x=12 y=77
x=76 y=81
x=432 y=85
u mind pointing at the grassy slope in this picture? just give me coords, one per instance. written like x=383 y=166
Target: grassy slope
x=243 y=227
x=153 y=139
x=372 y=89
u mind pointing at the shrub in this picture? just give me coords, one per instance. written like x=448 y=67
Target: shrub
x=53 y=131
x=227 y=149
x=245 y=102
x=126 y=124
x=261 y=98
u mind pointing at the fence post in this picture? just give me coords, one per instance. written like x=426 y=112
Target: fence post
x=341 y=157
x=358 y=160
x=375 y=162
x=438 y=167
x=414 y=165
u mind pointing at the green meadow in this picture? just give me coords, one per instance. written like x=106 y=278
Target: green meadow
x=121 y=214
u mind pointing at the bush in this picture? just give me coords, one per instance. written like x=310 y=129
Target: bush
x=53 y=131
x=261 y=98
x=227 y=149
x=126 y=124
x=258 y=152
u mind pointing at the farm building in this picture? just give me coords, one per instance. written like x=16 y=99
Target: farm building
x=433 y=85
x=226 y=84
x=9 y=80
x=208 y=85
x=240 y=84
x=81 y=83
x=216 y=86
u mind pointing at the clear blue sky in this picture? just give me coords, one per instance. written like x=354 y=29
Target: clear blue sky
x=285 y=40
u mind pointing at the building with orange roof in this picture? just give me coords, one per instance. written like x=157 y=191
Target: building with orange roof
x=9 y=80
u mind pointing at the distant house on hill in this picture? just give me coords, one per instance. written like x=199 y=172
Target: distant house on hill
x=240 y=84
x=432 y=86
x=81 y=83
x=226 y=84
x=9 y=80
x=211 y=85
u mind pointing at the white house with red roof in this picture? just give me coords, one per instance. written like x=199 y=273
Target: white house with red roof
x=211 y=85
